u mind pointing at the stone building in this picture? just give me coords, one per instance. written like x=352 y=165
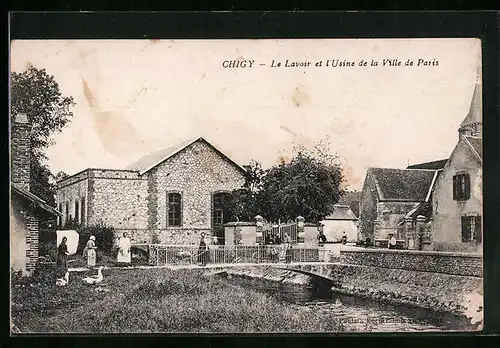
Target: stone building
x=457 y=202
x=27 y=210
x=387 y=197
x=169 y=197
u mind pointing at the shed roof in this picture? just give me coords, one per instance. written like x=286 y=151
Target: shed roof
x=39 y=203
x=341 y=212
x=439 y=164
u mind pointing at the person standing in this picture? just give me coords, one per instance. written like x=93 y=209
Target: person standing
x=321 y=238
x=392 y=242
x=286 y=247
x=344 y=238
x=124 y=245
x=62 y=259
x=203 y=252
x=90 y=252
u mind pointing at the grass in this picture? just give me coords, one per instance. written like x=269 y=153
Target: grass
x=152 y=301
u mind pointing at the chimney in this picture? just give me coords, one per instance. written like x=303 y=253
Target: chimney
x=20 y=151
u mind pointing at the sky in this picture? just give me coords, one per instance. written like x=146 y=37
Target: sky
x=134 y=97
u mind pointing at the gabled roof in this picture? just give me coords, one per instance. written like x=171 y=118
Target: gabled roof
x=435 y=165
x=40 y=203
x=409 y=185
x=476 y=145
x=150 y=161
x=341 y=212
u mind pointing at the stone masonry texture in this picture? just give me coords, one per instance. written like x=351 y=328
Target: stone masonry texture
x=137 y=204
x=438 y=262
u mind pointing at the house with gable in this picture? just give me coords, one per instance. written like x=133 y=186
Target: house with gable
x=434 y=205
x=170 y=196
x=387 y=197
x=27 y=211
x=457 y=202
x=342 y=219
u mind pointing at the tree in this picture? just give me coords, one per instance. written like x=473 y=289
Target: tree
x=309 y=185
x=37 y=94
x=306 y=186
x=242 y=203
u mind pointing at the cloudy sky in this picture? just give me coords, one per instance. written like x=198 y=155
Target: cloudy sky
x=138 y=96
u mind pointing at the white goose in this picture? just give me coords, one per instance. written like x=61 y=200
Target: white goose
x=63 y=281
x=95 y=279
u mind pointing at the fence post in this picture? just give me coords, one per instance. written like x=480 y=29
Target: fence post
x=300 y=229
x=419 y=231
x=259 y=228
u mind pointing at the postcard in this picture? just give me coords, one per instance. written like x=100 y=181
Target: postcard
x=246 y=186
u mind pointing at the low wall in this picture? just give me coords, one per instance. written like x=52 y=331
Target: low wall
x=169 y=236
x=456 y=294
x=428 y=261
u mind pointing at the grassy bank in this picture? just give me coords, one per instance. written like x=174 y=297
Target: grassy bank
x=153 y=300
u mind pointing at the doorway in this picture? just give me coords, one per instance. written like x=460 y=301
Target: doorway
x=220 y=215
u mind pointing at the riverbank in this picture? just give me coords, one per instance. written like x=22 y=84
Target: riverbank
x=457 y=295
x=153 y=301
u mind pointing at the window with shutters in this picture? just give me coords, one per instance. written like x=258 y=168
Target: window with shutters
x=471 y=229
x=174 y=209
x=461 y=187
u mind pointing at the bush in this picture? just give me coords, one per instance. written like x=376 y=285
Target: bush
x=103 y=234
x=48 y=250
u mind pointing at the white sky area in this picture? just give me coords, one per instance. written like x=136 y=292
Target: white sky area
x=138 y=96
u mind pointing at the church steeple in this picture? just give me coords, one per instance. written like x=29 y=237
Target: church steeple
x=473 y=123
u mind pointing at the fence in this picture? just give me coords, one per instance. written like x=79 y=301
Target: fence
x=161 y=255
x=280 y=229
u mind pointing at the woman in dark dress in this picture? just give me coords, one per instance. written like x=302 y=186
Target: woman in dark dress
x=203 y=254
x=62 y=259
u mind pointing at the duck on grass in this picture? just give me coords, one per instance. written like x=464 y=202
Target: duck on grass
x=154 y=301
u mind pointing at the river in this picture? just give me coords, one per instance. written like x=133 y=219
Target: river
x=357 y=314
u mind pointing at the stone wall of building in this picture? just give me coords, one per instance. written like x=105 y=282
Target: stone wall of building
x=197 y=172
x=367 y=209
x=118 y=199
x=389 y=216
x=163 y=236
x=71 y=190
x=428 y=261
x=447 y=212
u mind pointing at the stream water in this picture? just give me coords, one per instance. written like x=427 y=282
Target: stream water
x=357 y=314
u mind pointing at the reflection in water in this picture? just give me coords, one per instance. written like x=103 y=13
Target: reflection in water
x=357 y=314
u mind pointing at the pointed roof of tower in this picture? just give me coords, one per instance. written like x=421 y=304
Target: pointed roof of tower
x=474 y=115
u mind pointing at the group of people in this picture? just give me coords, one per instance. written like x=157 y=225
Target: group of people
x=90 y=254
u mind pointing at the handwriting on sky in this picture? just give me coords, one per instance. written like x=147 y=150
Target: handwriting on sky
x=329 y=63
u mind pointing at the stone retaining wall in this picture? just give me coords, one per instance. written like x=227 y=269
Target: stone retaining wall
x=428 y=261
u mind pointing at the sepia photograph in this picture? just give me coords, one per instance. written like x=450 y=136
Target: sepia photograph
x=246 y=186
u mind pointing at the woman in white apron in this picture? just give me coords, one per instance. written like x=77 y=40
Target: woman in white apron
x=90 y=252
x=124 y=245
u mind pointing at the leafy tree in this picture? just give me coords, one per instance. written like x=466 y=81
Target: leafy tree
x=309 y=185
x=305 y=186
x=37 y=94
x=242 y=203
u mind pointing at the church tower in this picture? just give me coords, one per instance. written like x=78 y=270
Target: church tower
x=472 y=125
